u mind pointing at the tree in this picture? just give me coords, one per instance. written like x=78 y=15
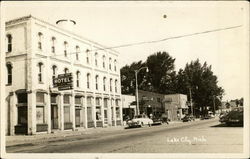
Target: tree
x=161 y=74
x=201 y=82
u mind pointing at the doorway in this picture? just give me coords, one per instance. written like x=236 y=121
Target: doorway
x=77 y=117
x=54 y=117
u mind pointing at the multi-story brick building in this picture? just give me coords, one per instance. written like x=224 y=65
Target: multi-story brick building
x=36 y=53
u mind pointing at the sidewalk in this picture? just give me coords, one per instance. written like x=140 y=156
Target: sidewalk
x=60 y=135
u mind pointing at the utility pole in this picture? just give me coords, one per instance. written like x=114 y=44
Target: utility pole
x=191 y=105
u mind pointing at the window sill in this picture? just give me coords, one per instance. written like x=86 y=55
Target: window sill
x=8 y=84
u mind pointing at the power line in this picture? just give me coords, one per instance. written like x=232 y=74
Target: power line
x=144 y=42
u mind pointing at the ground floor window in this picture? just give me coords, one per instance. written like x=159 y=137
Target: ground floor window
x=117 y=113
x=89 y=113
x=66 y=114
x=40 y=115
x=22 y=115
x=98 y=113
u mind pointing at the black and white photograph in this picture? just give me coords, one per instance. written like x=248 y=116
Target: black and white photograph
x=124 y=79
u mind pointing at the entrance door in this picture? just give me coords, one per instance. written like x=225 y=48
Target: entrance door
x=54 y=117
x=77 y=116
x=105 y=117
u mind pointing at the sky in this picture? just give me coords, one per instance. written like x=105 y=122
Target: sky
x=117 y=23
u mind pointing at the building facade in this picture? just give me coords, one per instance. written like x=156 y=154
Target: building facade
x=128 y=106
x=175 y=106
x=36 y=53
x=150 y=103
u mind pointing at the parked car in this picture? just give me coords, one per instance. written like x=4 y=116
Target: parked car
x=188 y=118
x=140 y=121
x=234 y=117
x=157 y=121
x=223 y=117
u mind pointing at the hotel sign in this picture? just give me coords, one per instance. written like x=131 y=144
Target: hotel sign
x=63 y=81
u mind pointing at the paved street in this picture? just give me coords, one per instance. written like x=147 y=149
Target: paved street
x=207 y=136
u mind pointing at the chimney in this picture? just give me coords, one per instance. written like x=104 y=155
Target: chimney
x=66 y=24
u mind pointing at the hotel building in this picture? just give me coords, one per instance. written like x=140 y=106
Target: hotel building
x=36 y=53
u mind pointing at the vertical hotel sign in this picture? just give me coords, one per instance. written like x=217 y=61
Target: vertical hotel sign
x=63 y=82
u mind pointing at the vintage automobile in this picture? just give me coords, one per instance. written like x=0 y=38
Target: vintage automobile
x=157 y=121
x=234 y=117
x=187 y=118
x=140 y=121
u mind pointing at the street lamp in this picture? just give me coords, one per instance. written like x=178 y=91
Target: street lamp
x=137 y=101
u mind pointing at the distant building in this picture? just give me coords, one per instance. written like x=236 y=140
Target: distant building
x=36 y=53
x=151 y=103
x=175 y=106
x=128 y=106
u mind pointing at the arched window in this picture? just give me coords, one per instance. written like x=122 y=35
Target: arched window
x=66 y=70
x=104 y=83
x=53 y=40
x=96 y=82
x=116 y=86
x=40 y=36
x=87 y=56
x=9 y=73
x=40 y=72
x=9 y=43
x=88 y=80
x=110 y=60
x=77 y=52
x=110 y=84
x=115 y=65
x=96 y=59
x=65 y=48
x=77 y=79
x=103 y=61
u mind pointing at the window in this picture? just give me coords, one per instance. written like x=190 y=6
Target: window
x=89 y=113
x=104 y=83
x=22 y=98
x=115 y=86
x=98 y=113
x=103 y=61
x=54 y=71
x=87 y=56
x=77 y=52
x=97 y=101
x=66 y=114
x=88 y=80
x=78 y=100
x=53 y=98
x=117 y=103
x=53 y=39
x=66 y=70
x=117 y=110
x=96 y=82
x=40 y=78
x=40 y=40
x=40 y=114
x=77 y=79
x=40 y=97
x=105 y=102
x=110 y=60
x=110 y=84
x=89 y=103
x=9 y=74
x=9 y=43
x=115 y=65
x=96 y=59
x=66 y=99
x=65 y=48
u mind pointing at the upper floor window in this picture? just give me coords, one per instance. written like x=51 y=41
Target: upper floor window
x=54 y=71
x=110 y=84
x=66 y=70
x=116 y=86
x=103 y=61
x=9 y=43
x=87 y=56
x=9 y=74
x=40 y=72
x=65 y=44
x=115 y=65
x=53 y=49
x=110 y=60
x=40 y=36
x=78 y=79
x=77 y=52
x=96 y=82
x=96 y=59
x=104 y=83
x=88 y=80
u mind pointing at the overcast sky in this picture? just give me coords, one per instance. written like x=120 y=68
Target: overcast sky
x=118 y=23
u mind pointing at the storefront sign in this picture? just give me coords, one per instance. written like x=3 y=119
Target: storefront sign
x=63 y=81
